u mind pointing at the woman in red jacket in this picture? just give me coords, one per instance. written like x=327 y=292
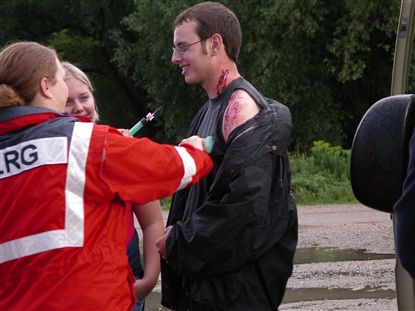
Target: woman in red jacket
x=64 y=182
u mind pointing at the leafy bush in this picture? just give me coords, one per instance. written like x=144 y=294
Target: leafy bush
x=323 y=176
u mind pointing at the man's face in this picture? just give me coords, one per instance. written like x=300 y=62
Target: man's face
x=189 y=53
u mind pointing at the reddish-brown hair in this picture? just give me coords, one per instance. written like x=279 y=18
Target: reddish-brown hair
x=22 y=67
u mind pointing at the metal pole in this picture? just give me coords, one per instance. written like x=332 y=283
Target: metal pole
x=403 y=48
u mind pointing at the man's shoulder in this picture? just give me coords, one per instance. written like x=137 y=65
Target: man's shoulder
x=243 y=99
x=245 y=90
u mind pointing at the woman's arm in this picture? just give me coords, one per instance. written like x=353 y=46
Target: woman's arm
x=150 y=218
x=139 y=170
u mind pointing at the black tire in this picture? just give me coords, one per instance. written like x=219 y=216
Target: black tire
x=379 y=155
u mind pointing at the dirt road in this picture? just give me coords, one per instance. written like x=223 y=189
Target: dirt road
x=344 y=261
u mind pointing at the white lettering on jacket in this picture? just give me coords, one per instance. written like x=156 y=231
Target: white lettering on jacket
x=33 y=153
x=72 y=235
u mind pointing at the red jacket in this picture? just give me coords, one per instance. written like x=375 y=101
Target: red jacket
x=63 y=185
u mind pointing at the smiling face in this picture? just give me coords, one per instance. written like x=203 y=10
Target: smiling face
x=190 y=53
x=80 y=99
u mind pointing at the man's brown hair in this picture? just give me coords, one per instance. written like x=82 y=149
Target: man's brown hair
x=211 y=18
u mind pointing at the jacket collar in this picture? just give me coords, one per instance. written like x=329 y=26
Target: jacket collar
x=16 y=118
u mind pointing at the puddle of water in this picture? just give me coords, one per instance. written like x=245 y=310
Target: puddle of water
x=310 y=294
x=297 y=295
x=315 y=255
x=323 y=254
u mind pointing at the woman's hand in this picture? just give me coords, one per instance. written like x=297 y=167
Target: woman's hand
x=194 y=141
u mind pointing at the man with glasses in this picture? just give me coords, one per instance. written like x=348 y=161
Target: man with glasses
x=230 y=240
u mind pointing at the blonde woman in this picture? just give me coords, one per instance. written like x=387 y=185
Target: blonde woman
x=81 y=101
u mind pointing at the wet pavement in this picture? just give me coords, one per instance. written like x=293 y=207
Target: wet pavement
x=344 y=261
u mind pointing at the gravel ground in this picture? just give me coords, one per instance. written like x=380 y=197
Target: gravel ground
x=354 y=269
x=344 y=261
x=345 y=226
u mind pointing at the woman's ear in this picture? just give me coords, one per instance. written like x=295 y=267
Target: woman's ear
x=44 y=87
x=217 y=43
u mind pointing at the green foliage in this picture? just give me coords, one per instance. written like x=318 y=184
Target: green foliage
x=355 y=39
x=322 y=177
x=165 y=203
x=68 y=43
x=291 y=66
x=314 y=56
x=328 y=61
x=331 y=160
x=150 y=46
x=80 y=31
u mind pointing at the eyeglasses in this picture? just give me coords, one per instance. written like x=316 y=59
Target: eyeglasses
x=182 y=47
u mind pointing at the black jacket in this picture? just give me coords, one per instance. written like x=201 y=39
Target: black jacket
x=405 y=216
x=236 y=250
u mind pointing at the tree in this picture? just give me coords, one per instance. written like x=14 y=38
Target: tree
x=150 y=45
x=362 y=55
x=81 y=32
x=328 y=61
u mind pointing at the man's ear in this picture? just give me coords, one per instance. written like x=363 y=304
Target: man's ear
x=44 y=87
x=217 y=43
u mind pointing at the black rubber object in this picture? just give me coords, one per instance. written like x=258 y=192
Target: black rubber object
x=379 y=155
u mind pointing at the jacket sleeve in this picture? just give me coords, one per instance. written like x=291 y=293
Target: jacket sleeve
x=140 y=170
x=405 y=216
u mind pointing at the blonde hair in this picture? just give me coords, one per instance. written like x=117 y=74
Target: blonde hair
x=71 y=71
x=22 y=66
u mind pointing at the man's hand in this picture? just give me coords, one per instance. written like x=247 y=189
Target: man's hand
x=161 y=243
